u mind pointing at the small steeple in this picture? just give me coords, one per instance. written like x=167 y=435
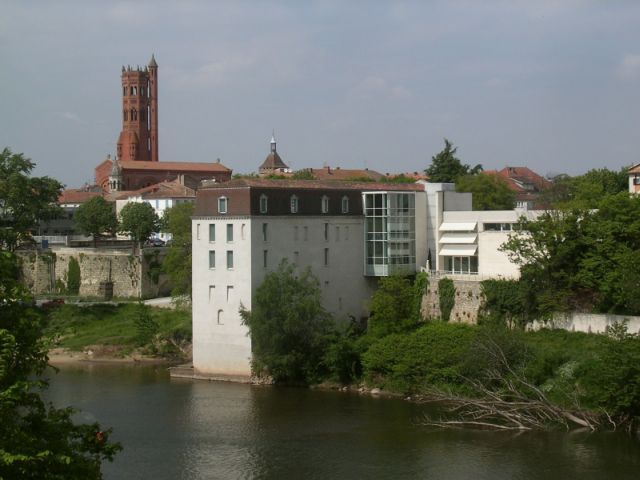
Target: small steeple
x=273 y=142
x=153 y=63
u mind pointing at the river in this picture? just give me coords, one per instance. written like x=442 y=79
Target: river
x=180 y=429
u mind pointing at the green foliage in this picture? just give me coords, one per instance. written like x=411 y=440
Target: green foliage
x=146 y=326
x=490 y=192
x=96 y=218
x=177 y=263
x=73 y=277
x=288 y=326
x=506 y=303
x=435 y=354
x=420 y=285
x=582 y=260
x=586 y=191
x=77 y=327
x=37 y=441
x=446 y=167
x=139 y=221
x=343 y=352
x=447 y=297
x=392 y=307
x=24 y=200
x=305 y=174
x=401 y=178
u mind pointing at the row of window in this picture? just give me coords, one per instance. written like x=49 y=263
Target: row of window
x=133 y=91
x=212 y=259
x=339 y=233
x=294 y=204
x=133 y=115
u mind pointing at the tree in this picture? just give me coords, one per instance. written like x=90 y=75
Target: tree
x=587 y=190
x=96 y=217
x=24 y=200
x=490 y=192
x=288 y=326
x=139 y=221
x=393 y=307
x=37 y=441
x=446 y=167
x=177 y=264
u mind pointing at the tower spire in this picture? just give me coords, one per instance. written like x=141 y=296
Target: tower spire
x=273 y=141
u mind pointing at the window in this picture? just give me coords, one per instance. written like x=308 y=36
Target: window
x=229 y=292
x=212 y=259
x=242 y=231
x=212 y=291
x=345 y=204
x=220 y=317
x=264 y=232
x=263 y=204
x=124 y=92
x=212 y=232
x=306 y=233
x=325 y=204
x=229 y=259
x=326 y=257
x=126 y=116
x=294 y=204
x=222 y=205
x=197 y=231
x=229 y=232
x=326 y=231
x=265 y=257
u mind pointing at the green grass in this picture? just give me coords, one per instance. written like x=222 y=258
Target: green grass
x=76 y=327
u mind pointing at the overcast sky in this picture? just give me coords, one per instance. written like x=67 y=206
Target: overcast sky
x=552 y=85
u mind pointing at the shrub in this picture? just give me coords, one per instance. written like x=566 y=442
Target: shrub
x=432 y=355
x=447 y=297
x=73 y=277
x=146 y=326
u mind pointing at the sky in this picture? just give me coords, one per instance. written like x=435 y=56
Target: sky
x=552 y=85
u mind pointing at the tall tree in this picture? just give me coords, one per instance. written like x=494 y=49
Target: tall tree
x=139 y=221
x=446 y=167
x=177 y=264
x=37 y=441
x=288 y=326
x=24 y=200
x=490 y=192
x=96 y=218
x=587 y=190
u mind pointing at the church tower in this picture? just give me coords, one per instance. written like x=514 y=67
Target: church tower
x=139 y=136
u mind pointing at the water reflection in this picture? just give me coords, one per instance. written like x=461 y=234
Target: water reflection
x=174 y=429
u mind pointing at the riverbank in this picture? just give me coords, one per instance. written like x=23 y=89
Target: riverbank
x=62 y=356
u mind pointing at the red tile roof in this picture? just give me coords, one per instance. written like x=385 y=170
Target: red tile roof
x=173 y=166
x=73 y=195
x=337 y=173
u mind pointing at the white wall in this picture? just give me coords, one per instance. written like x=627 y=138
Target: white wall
x=225 y=350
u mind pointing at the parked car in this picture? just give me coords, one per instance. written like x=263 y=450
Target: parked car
x=154 y=242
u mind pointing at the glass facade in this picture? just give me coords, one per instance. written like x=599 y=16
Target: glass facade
x=461 y=265
x=390 y=229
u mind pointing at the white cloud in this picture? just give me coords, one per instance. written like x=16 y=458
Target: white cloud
x=629 y=68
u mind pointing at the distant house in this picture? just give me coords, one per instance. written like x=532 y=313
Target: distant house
x=161 y=196
x=526 y=184
x=634 y=178
x=69 y=200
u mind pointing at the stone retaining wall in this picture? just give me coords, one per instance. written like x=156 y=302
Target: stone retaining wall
x=468 y=300
x=132 y=275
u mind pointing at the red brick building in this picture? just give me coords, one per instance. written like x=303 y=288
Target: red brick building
x=137 y=164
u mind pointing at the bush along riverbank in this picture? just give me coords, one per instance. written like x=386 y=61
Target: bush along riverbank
x=119 y=332
x=490 y=376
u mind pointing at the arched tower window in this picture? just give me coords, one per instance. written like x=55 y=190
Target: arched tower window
x=126 y=115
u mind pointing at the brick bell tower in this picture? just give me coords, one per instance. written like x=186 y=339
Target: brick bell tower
x=138 y=139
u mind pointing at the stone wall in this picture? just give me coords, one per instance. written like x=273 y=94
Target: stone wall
x=588 y=322
x=468 y=300
x=132 y=275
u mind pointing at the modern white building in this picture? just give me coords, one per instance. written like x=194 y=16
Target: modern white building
x=347 y=233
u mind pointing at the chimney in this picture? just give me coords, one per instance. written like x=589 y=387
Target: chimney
x=328 y=169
